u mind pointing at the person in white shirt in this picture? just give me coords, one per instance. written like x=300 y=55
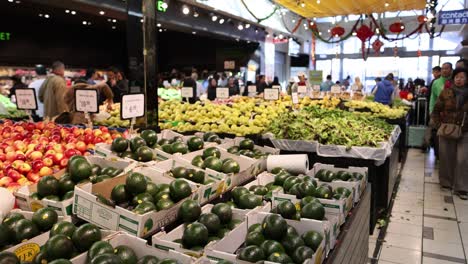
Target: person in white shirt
x=200 y=89
x=36 y=85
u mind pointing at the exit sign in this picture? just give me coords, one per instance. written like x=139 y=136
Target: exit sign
x=4 y=36
x=161 y=6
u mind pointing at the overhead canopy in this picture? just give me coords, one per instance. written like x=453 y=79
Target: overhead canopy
x=328 y=8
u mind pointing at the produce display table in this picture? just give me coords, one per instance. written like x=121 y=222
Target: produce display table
x=382 y=177
x=353 y=241
x=404 y=124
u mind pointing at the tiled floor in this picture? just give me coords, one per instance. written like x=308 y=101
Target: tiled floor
x=427 y=225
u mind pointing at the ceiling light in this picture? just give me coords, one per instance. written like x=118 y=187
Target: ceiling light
x=377 y=30
x=320 y=33
x=221 y=21
x=318 y=1
x=114 y=20
x=240 y=27
x=256 y=31
x=387 y=4
x=67 y=11
x=185 y=10
x=214 y=18
x=73 y=12
x=268 y=35
x=354 y=33
x=329 y=31
x=46 y=16
x=247 y=25
x=18 y=2
x=248 y=41
x=85 y=22
x=41 y=15
x=281 y=36
x=402 y=27
x=160 y=30
x=312 y=23
x=164 y=5
x=89 y=23
x=194 y=33
x=158 y=25
x=303 y=4
x=11 y=1
x=141 y=20
x=195 y=14
x=114 y=27
x=294 y=20
x=102 y=13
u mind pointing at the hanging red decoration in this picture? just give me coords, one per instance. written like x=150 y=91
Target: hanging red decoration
x=337 y=31
x=364 y=33
x=376 y=46
x=422 y=19
x=397 y=27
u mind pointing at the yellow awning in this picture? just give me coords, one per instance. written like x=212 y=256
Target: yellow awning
x=327 y=8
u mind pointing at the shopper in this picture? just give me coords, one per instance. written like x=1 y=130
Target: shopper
x=117 y=83
x=357 y=85
x=194 y=77
x=385 y=89
x=377 y=81
x=326 y=85
x=436 y=73
x=36 y=85
x=233 y=88
x=189 y=82
x=91 y=76
x=17 y=84
x=211 y=90
x=410 y=87
x=53 y=90
x=438 y=85
x=347 y=82
x=462 y=63
x=261 y=84
x=102 y=89
x=275 y=83
x=302 y=82
x=290 y=85
x=451 y=108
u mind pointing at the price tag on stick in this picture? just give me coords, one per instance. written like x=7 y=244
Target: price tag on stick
x=132 y=106
x=295 y=98
x=222 y=93
x=302 y=89
x=86 y=101
x=26 y=99
x=335 y=89
x=252 y=89
x=271 y=94
x=186 y=92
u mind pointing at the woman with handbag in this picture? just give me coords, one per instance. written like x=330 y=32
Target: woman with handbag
x=449 y=117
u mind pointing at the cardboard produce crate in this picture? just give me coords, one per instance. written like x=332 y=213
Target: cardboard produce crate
x=205 y=193
x=104 y=150
x=140 y=248
x=226 y=248
x=164 y=241
x=87 y=207
x=248 y=168
x=25 y=202
x=357 y=187
x=265 y=149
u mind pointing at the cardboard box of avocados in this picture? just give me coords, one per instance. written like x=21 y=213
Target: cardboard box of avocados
x=358 y=187
x=25 y=202
x=104 y=150
x=86 y=206
x=267 y=150
x=206 y=192
x=248 y=168
x=140 y=248
x=165 y=241
x=226 y=248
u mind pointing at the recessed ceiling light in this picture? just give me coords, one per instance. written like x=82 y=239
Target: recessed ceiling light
x=114 y=20
x=195 y=14
x=114 y=27
x=18 y=2
x=240 y=27
x=141 y=20
x=67 y=11
x=73 y=12
x=214 y=18
x=41 y=15
x=46 y=16
x=11 y=1
x=221 y=21
x=89 y=23
x=193 y=32
x=185 y=10
x=160 y=30
x=158 y=25
x=85 y=22
x=102 y=13
x=247 y=25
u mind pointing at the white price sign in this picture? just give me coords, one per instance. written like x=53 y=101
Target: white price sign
x=187 y=92
x=26 y=99
x=222 y=93
x=335 y=89
x=302 y=89
x=276 y=87
x=295 y=98
x=316 y=87
x=86 y=100
x=271 y=94
x=252 y=89
x=132 y=106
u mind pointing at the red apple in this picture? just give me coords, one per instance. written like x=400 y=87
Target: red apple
x=45 y=171
x=20 y=156
x=50 y=152
x=88 y=131
x=97 y=133
x=90 y=146
x=63 y=163
x=36 y=155
x=2 y=157
x=80 y=145
x=98 y=140
x=88 y=139
x=104 y=129
x=58 y=157
x=40 y=125
x=16 y=164
x=19 y=129
x=59 y=148
x=55 y=138
x=14 y=175
x=10 y=149
x=48 y=162
x=25 y=168
x=37 y=165
x=70 y=146
x=5 y=181
x=70 y=153
x=11 y=156
x=40 y=148
x=77 y=131
x=33 y=176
